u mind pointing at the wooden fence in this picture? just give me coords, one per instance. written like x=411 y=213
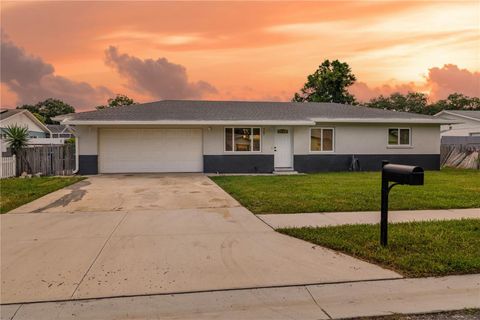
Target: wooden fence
x=48 y=160
x=460 y=152
x=7 y=167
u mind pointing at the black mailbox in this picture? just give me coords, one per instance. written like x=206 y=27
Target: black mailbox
x=403 y=174
x=398 y=174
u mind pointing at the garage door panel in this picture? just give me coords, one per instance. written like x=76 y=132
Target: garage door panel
x=150 y=150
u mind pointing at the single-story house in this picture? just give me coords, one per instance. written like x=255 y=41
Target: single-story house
x=249 y=137
x=467 y=123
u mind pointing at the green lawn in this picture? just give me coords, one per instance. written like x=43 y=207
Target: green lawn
x=15 y=192
x=351 y=191
x=416 y=249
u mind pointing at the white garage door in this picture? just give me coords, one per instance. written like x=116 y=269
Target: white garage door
x=150 y=150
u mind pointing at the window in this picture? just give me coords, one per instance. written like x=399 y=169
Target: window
x=242 y=139
x=321 y=139
x=399 y=137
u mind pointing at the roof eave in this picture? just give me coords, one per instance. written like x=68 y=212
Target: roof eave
x=383 y=120
x=310 y=122
x=455 y=115
x=188 y=122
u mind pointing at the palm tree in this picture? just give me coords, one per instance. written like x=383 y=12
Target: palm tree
x=16 y=138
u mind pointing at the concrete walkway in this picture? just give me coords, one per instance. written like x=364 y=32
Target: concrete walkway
x=326 y=219
x=329 y=301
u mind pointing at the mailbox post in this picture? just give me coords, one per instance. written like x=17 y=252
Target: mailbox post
x=398 y=174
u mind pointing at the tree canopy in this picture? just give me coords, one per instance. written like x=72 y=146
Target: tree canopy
x=47 y=109
x=119 y=101
x=329 y=83
x=418 y=103
x=455 y=101
x=410 y=102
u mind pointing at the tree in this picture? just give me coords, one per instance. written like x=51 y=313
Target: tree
x=49 y=108
x=455 y=101
x=39 y=117
x=16 y=138
x=328 y=83
x=418 y=103
x=119 y=101
x=411 y=102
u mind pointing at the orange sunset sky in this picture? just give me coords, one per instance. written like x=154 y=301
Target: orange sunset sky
x=85 y=52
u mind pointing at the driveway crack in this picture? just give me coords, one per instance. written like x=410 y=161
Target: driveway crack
x=99 y=252
x=16 y=311
x=323 y=310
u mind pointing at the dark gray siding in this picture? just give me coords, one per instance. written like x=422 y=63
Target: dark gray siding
x=368 y=162
x=88 y=164
x=255 y=163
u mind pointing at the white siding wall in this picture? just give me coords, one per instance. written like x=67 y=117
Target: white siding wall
x=372 y=139
x=87 y=140
x=213 y=140
x=349 y=139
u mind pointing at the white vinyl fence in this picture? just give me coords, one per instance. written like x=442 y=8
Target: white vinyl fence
x=7 y=167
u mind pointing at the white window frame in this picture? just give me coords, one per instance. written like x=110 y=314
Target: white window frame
x=321 y=140
x=398 y=145
x=233 y=139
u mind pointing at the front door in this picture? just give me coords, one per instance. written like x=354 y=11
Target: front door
x=283 y=147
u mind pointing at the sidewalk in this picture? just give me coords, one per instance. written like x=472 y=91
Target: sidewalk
x=329 y=301
x=325 y=219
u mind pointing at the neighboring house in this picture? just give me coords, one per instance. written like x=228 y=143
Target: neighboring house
x=23 y=118
x=467 y=123
x=61 y=131
x=248 y=137
x=38 y=132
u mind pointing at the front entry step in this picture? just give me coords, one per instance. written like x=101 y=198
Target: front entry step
x=284 y=171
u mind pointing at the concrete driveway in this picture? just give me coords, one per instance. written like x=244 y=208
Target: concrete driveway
x=127 y=235
x=127 y=192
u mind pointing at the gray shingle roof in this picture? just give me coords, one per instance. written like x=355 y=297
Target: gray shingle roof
x=467 y=113
x=56 y=128
x=7 y=113
x=190 y=110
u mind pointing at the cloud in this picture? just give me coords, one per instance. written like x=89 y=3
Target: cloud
x=364 y=93
x=439 y=83
x=160 y=78
x=32 y=80
x=450 y=78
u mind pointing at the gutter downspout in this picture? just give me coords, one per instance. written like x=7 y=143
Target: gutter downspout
x=76 y=156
